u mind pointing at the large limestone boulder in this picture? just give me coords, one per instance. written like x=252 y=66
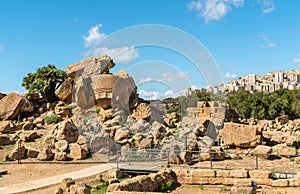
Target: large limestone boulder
x=29 y=136
x=10 y=106
x=64 y=91
x=6 y=127
x=77 y=152
x=239 y=135
x=45 y=155
x=66 y=130
x=90 y=66
x=124 y=96
x=84 y=93
x=6 y=139
x=262 y=151
x=284 y=150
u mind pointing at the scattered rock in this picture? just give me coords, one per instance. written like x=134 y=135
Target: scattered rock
x=29 y=136
x=10 y=106
x=61 y=145
x=6 y=127
x=18 y=153
x=28 y=126
x=64 y=91
x=66 y=130
x=239 y=135
x=76 y=152
x=6 y=139
x=281 y=120
x=32 y=153
x=60 y=156
x=45 y=155
x=262 y=151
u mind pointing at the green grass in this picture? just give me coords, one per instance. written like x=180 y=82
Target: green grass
x=71 y=106
x=100 y=189
x=51 y=119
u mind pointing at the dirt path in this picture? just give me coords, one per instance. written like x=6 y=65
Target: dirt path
x=44 y=182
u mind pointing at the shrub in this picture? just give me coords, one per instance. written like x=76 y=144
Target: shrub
x=52 y=119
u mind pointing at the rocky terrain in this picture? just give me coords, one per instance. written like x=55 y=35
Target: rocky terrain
x=99 y=113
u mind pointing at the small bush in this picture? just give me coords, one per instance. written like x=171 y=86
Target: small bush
x=166 y=186
x=71 y=106
x=100 y=189
x=52 y=119
x=97 y=109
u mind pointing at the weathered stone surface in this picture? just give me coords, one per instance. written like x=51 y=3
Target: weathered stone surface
x=60 y=156
x=81 y=140
x=243 y=190
x=203 y=173
x=61 y=145
x=61 y=110
x=217 y=153
x=238 y=174
x=84 y=93
x=280 y=183
x=195 y=181
x=28 y=126
x=121 y=134
x=282 y=149
x=142 y=111
x=17 y=154
x=145 y=143
x=90 y=66
x=32 y=153
x=79 y=188
x=176 y=160
x=6 y=139
x=6 y=127
x=26 y=106
x=239 y=135
x=66 y=183
x=10 y=106
x=66 y=130
x=64 y=91
x=278 y=137
x=223 y=173
x=259 y=174
x=281 y=120
x=29 y=136
x=262 y=151
x=76 y=152
x=45 y=155
x=187 y=157
x=243 y=182
x=103 y=89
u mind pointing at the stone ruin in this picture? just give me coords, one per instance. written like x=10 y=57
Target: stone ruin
x=206 y=119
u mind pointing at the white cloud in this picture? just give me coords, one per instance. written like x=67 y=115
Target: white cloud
x=154 y=95
x=150 y=95
x=120 y=55
x=230 y=75
x=268 y=6
x=174 y=77
x=265 y=41
x=217 y=9
x=94 y=36
x=213 y=9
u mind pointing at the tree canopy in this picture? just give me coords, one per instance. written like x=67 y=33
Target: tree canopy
x=44 y=81
x=261 y=105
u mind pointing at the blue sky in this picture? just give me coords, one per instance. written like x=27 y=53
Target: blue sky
x=242 y=37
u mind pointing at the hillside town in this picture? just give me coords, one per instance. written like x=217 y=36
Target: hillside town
x=270 y=82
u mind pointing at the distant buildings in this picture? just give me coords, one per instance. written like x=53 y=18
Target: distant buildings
x=267 y=83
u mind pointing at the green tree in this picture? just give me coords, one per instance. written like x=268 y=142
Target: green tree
x=44 y=81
